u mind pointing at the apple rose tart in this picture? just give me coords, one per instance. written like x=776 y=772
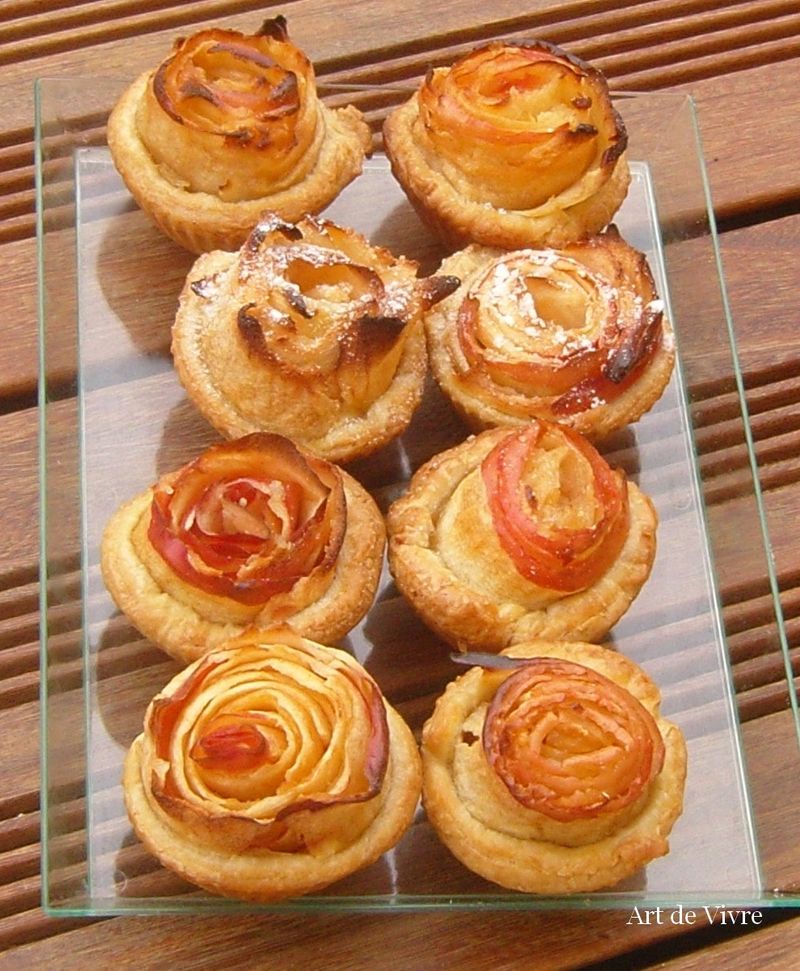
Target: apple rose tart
x=253 y=532
x=555 y=773
x=521 y=533
x=576 y=335
x=271 y=767
x=514 y=145
x=309 y=331
x=230 y=125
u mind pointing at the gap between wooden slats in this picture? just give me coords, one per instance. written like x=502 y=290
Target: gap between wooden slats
x=19 y=863
x=710 y=396
x=28 y=926
x=21 y=919
x=22 y=894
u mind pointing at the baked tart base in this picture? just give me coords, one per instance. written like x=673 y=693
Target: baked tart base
x=521 y=848
x=213 y=821
x=458 y=220
x=187 y=631
x=480 y=609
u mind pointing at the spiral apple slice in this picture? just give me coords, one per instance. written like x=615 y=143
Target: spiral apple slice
x=576 y=335
x=539 y=117
x=568 y=742
x=544 y=324
x=248 y=519
x=271 y=767
x=224 y=94
x=258 y=724
x=530 y=477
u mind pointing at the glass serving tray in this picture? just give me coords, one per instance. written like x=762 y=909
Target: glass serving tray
x=114 y=418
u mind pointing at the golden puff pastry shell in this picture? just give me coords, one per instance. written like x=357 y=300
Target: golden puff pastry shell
x=195 y=186
x=448 y=562
x=469 y=160
x=187 y=621
x=264 y=832
x=504 y=840
x=502 y=362
x=307 y=331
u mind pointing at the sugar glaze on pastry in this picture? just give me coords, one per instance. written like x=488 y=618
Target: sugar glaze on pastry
x=555 y=776
x=252 y=532
x=230 y=125
x=576 y=335
x=271 y=768
x=514 y=145
x=308 y=331
x=521 y=533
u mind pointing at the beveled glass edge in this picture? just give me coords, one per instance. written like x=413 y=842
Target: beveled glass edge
x=408 y=903
x=758 y=495
x=44 y=695
x=723 y=652
x=405 y=902
x=743 y=787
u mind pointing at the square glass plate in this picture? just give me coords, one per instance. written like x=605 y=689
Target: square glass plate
x=114 y=418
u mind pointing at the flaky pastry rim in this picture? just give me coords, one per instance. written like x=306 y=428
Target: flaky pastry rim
x=200 y=221
x=343 y=441
x=538 y=866
x=595 y=423
x=270 y=875
x=469 y=619
x=457 y=220
x=185 y=635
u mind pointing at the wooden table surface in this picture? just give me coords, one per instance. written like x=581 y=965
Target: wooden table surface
x=741 y=61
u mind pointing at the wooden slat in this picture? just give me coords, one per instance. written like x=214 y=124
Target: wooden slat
x=18 y=303
x=770 y=949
